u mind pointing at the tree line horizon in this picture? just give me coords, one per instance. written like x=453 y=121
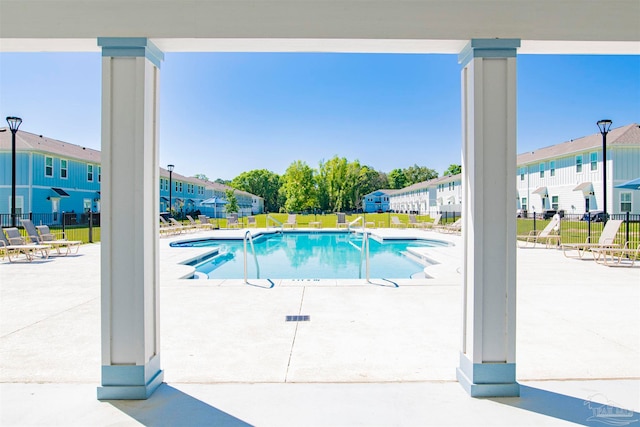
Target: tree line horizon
x=335 y=185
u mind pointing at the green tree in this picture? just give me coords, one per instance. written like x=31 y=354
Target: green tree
x=260 y=182
x=453 y=170
x=298 y=187
x=397 y=179
x=222 y=181
x=415 y=174
x=232 y=202
x=202 y=177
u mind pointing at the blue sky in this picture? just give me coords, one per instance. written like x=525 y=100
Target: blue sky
x=225 y=113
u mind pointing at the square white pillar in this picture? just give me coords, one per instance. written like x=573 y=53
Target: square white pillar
x=130 y=200
x=487 y=360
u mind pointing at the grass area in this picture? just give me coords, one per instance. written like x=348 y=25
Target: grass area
x=577 y=231
x=570 y=231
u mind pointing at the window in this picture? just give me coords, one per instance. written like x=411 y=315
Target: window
x=19 y=204
x=90 y=173
x=180 y=187
x=541 y=170
x=99 y=173
x=86 y=205
x=63 y=169
x=579 y=164
x=48 y=167
x=625 y=202
x=522 y=174
x=554 y=202
x=593 y=158
x=524 y=204
x=552 y=168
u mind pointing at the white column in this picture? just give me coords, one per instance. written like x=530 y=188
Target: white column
x=130 y=200
x=487 y=360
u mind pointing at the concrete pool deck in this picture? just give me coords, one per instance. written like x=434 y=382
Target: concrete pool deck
x=371 y=354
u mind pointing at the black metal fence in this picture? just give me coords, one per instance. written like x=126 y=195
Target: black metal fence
x=577 y=228
x=83 y=226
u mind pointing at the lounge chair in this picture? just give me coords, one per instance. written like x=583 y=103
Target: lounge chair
x=395 y=222
x=14 y=244
x=251 y=221
x=606 y=240
x=42 y=235
x=435 y=223
x=341 y=220
x=198 y=225
x=167 y=229
x=180 y=225
x=291 y=221
x=454 y=227
x=625 y=253
x=413 y=222
x=547 y=235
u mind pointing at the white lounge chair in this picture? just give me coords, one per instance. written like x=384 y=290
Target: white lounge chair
x=606 y=241
x=395 y=222
x=454 y=227
x=547 y=235
x=413 y=222
x=435 y=223
x=232 y=221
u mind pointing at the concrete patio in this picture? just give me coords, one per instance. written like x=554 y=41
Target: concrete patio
x=371 y=354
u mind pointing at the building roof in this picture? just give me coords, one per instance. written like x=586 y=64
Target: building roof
x=625 y=135
x=26 y=141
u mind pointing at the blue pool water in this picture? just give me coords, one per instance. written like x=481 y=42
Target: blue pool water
x=300 y=255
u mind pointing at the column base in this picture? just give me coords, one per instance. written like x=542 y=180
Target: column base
x=487 y=379
x=128 y=382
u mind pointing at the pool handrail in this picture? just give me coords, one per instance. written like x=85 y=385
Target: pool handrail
x=249 y=237
x=364 y=253
x=269 y=217
x=360 y=218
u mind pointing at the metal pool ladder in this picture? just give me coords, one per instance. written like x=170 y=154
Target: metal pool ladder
x=360 y=218
x=248 y=237
x=270 y=218
x=364 y=254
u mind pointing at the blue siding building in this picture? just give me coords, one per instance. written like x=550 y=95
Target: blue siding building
x=55 y=177
x=51 y=176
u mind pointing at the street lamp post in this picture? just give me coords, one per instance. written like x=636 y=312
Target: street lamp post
x=604 y=126
x=14 y=124
x=170 y=169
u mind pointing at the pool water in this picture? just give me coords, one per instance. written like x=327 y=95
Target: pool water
x=300 y=255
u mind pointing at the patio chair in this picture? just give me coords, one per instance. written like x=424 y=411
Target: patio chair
x=606 y=240
x=547 y=235
x=232 y=221
x=251 y=221
x=41 y=234
x=341 y=220
x=291 y=221
x=14 y=244
x=205 y=223
x=395 y=222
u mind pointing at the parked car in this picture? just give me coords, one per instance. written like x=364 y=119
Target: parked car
x=596 y=216
x=549 y=213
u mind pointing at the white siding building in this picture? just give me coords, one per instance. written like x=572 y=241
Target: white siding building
x=568 y=176
x=565 y=176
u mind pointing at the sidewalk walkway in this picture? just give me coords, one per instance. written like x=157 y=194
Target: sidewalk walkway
x=371 y=355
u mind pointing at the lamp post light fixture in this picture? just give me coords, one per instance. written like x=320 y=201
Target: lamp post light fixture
x=604 y=126
x=14 y=124
x=170 y=169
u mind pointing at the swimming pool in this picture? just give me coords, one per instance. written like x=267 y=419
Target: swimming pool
x=311 y=255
